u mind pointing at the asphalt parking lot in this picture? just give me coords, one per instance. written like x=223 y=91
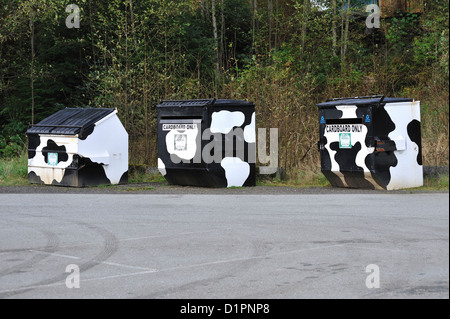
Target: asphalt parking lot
x=264 y=246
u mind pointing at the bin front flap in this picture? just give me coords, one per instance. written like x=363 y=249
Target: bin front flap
x=235 y=124
x=369 y=144
x=107 y=149
x=407 y=169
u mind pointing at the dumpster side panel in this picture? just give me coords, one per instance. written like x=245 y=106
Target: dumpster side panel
x=407 y=135
x=104 y=153
x=238 y=131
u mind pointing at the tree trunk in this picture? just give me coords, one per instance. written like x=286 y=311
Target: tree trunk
x=145 y=92
x=223 y=57
x=127 y=121
x=133 y=25
x=32 y=68
x=270 y=13
x=341 y=39
x=276 y=23
x=304 y=23
x=347 y=22
x=202 y=7
x=216 y=40
x=255 y=9
x=334 y=32
x=92 y=32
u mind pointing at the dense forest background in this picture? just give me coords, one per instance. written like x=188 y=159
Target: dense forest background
x=284 y=55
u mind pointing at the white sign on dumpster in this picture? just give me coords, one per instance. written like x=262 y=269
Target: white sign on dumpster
x=345 y=140
x=53 y=159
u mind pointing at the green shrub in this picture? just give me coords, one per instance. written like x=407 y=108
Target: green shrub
x=14 y=170
x=11 y=146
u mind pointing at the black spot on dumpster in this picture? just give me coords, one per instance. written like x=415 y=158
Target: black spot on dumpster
x=415 y=135
x=383 y=162
x=361 y=112
x=34 y=178
x=91 y=174
x=34 y=140
x=326 y=160
x=370 y=163
x=218 y=177
x=83 y=172
x=326 y=166
x=248 y=118
x=364 y=114
x=334 y=180
x=334 y=113
x=251 y=179
x=346 y=157
x=124 y=178
x=86 y=132
x=174 y=158
x=383 y=124
x=70 y=178
x=52 y=147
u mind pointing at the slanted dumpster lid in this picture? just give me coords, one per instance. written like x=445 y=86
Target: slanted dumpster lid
x=70 y=121
x=362 y=100
x=203 y=102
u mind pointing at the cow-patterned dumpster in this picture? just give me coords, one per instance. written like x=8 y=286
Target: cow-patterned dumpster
x=371 y=142
x=78 y=147
x=208 y=143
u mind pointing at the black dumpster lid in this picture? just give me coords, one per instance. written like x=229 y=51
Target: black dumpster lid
x=70 y=121
x=363 y=100
x=204 y=102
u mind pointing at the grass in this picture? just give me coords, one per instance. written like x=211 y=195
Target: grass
x=440 y=183
x=14 y=171
x=136 y=177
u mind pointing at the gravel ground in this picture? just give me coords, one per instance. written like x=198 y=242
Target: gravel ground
x=163 y=188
